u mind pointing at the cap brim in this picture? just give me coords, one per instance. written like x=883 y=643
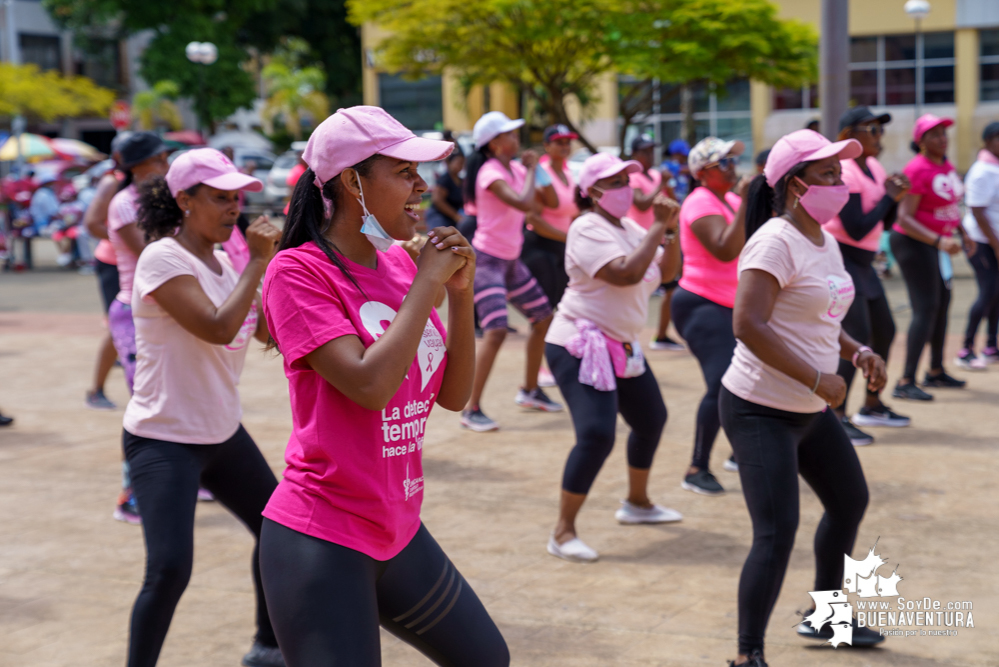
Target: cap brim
x=235 y=181
x=627 y=166
x=737 y=148
x=418 y=149
x=570 y=135
x=844 y=150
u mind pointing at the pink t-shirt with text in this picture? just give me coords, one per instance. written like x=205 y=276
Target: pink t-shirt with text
x=815 y=293
x=871 y=192
x=703 y=273
x=646 y=183
x=185 y=387
x=940 y=190
x=123 y=211
x=561 y=217
x=620 y=311
x=500 y=228
x=354 y=476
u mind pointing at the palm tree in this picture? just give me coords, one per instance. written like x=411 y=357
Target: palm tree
x=293 y=95
x=155 y=109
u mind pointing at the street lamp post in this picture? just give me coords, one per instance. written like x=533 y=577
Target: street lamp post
x=204 y=53
x=918 y=10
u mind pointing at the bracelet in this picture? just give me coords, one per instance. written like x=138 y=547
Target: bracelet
x=670 y=236
x=860 y=350
x=818 y=379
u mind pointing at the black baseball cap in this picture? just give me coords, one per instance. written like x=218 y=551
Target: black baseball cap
x=858 y=115
x=558 y=131
x=641 y=142
x=991 y=130
x=140 y=146
x=761 y=157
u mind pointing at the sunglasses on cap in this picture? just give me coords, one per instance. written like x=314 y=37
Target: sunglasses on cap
x=876 y=129
x=724 y=163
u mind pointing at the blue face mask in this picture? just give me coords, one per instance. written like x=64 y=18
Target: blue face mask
x=371 y=228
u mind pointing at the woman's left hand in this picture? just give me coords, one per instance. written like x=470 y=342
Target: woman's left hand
x=666 y=210
x=873 y=368
x=970 y=247
x=449 y=239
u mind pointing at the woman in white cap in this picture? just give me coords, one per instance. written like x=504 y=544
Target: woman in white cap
x=712 y=233
x=793 y=293
x=194 y=318
x=343 y=549
x=503 y=191
x=593 y=346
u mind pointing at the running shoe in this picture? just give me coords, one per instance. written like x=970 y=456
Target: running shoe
x=127 y=509
x=635 y=514
x=263 y=656
x=911 y=392
x=990 y=355
x=537 y=400
x=96 y=400
x=545 y=378
x=5 y=420
x=861 y=636
x=730 y=464
x=205 y=495
x=755 y=660
x=666 y=343
x=880 y=416
x=475 y=420
x=702 y=482
x=575 y=550
x=857 y=437
x=969 y=361
x=943 y=381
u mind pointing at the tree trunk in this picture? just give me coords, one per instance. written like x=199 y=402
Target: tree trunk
x=688 y=129
x=555 y=106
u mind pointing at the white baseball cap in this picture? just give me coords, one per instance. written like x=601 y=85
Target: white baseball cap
x=491 y=125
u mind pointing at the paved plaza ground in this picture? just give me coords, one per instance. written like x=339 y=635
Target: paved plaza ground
x=659 y=596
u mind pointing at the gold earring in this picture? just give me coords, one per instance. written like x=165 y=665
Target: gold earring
x=795 y=203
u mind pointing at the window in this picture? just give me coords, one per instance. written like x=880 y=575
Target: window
x=101 y=61
x=902 y=69
x=42 y=50
x=806 y=97
x=416 y=104
x=989 y=63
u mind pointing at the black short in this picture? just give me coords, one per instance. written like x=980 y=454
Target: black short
x=107 y=280
x=671 y=285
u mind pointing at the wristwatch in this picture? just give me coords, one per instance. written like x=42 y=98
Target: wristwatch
x=670 y=236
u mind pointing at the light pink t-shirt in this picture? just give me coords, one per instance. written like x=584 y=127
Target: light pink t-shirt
x=123 y=211
x=620 y=311
x=185 y=387
x=237 y=250
x=871 y=193
x=646 y=183
x=815 y=293
x=562 y=216
x=500 y=228
x=354 y=476
x=105 y=252
x=703 y=273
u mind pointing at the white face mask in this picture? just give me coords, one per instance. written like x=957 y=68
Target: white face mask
x=371 y=227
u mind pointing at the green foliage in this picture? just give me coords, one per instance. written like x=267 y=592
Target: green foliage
x=155 y=108
x=48 y=95
x=293 y=89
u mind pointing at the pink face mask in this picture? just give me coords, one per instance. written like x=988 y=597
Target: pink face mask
x=617 y=201
x=824 y=202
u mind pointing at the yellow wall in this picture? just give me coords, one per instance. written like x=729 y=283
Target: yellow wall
x=873 y=17
x=966 y=75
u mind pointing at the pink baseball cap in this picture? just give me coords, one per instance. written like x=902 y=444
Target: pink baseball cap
x=353 y=135
x=805 y=146
x=208 y=166
x=927 y=122
x=603 y=165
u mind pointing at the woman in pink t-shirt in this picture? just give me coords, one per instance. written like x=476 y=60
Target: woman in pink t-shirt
x=712 y=233
x=503 y=192
x=793 y=293
x=194 y=318
x=343 y=548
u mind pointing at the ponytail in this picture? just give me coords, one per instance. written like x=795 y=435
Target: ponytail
x=583 y=202
x=472 y=166
x=764 y=202
x=915 y=147
x=159 y=215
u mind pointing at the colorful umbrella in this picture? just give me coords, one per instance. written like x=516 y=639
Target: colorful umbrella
x=189 y=137
x=73 y=148
x=33 y=146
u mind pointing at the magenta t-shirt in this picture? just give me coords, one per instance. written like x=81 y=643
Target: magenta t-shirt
x=500 y=228
x=940 y=190
x=354 y=476
x=703 y=273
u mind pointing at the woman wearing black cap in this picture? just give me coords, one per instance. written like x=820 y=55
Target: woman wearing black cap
x=874 y=197
x=981 y=223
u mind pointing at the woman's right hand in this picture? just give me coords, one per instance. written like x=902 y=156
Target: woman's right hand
x=832 y=389
x=262 y=238
x=441 y=263
x=949 y=245
x=529 y=159
x=742 y=187
x=667 y=211
x=896 y=186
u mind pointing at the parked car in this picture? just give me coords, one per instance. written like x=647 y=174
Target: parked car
x=276 y=189
x=263 y=162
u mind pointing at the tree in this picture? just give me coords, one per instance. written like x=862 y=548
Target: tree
x=25 y=91
x=155 y=108
x=293 y=89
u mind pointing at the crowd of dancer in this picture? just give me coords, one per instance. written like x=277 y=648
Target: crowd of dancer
x=769 y=281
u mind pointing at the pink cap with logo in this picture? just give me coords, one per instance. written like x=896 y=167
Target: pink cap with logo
x=805 y=146
x=208 y=166
x=603 y=165
x=927 y=122
x=353 y=135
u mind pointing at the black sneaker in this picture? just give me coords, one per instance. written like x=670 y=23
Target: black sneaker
x=880 y=416
x=911 y=392
x=857 y=437
x=755 y=660
x=6 y=421
x=476 y=420
x=263 y=656
x=702 y=482
x=861 y=636
x=943 y=381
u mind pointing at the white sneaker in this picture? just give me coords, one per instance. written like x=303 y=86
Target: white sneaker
x=633 y=514
x=545 y=378
x=575 y=550
x=730 y=464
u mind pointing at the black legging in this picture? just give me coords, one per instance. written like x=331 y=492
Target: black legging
x=327 y=602
x=929 y=296
x=986 y=306
x=546 y=260
x=165 y=479
x=707 y=328
x=594 y=418
x=772 y=446
x=868 y=320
